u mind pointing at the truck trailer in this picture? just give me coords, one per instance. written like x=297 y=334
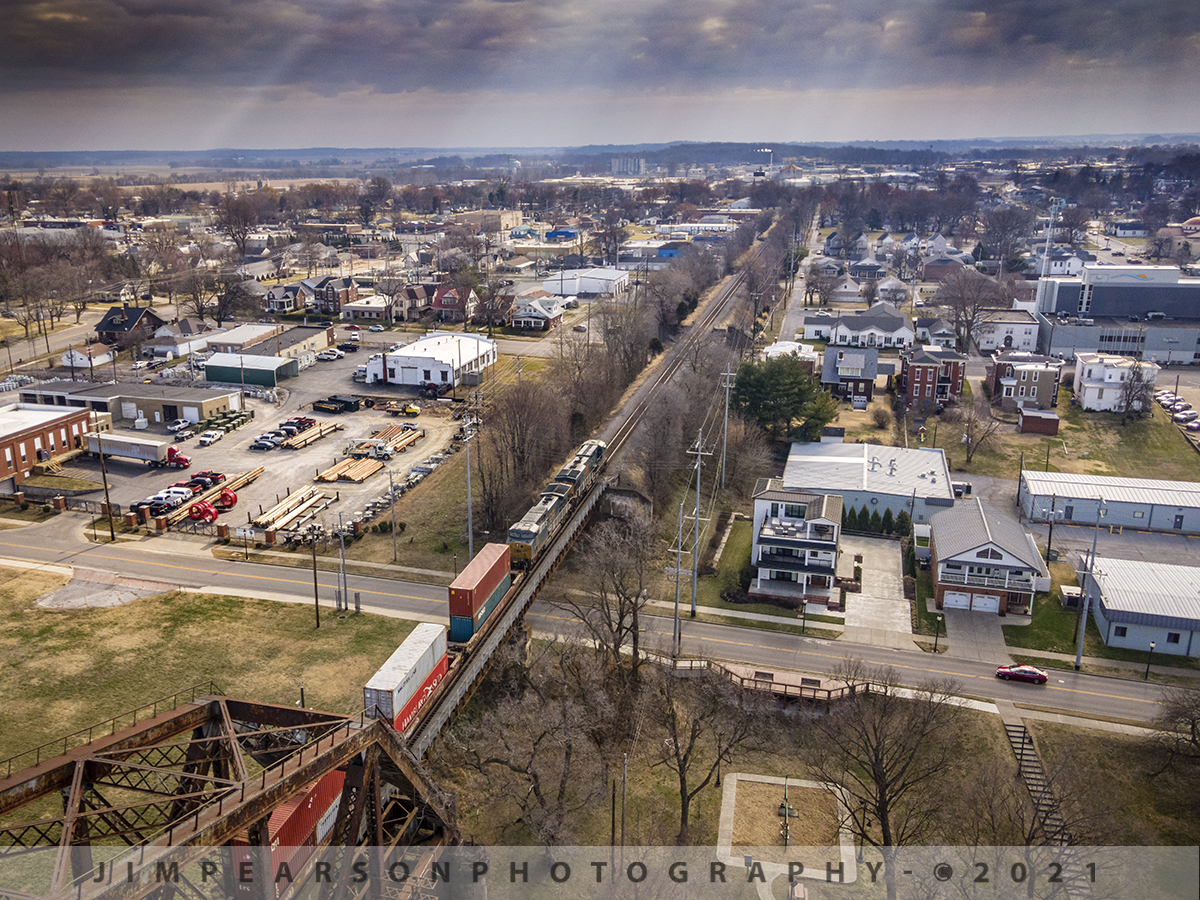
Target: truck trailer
x=156 y=454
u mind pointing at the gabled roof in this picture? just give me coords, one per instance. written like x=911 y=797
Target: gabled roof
x=933 y=355
x=972 y=524
x=865 y=358
x=126 y=318
x=817 y=506
x=882 y=315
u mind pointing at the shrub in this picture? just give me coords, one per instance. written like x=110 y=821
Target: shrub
x=881 y=418
x=24 y=504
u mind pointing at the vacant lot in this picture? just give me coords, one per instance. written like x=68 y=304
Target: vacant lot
x=62 y=671
x=1088 y=443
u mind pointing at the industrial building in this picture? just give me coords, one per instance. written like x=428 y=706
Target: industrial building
x=1138 y=605
x=129 y=403
x=1143 y=503
x=250 y=369
x=880 y=478
x=32 y=433
x=587 y=282
x=439 y=360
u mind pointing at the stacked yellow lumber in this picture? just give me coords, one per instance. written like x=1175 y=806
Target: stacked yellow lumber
x=334 y=472
x=361 y=470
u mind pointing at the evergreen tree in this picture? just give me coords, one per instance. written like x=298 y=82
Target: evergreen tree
x=876 y=523
x=903 y=524
x=910 y=559
x=888 y=525
x=849 y=516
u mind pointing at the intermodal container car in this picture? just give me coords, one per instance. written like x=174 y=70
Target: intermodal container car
x=293 y=832
x=474 y=585
x=478 y=591
x=408 y=679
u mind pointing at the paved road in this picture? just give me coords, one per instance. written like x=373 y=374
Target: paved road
x=165 y=560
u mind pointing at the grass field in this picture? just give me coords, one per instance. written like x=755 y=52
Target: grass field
x=62 y=671
x=1088 y=443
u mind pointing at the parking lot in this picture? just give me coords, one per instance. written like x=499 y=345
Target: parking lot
x=289 y=470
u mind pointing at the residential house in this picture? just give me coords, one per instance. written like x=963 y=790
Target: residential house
x=795 y=544
x=88 y=356
x=1061 y=262
x=128 y=324
x=283 y=298
x=537 y=310
x=847 y=290
x=1006 y=329
x=823 y=265
x=1100 y=381
x=450 y=307
x=1127 y=228
x=940 y=267
x=330 y=293
x=892 y=289
x=850 y=374
x=373 y=309
x=984 y=561
x=1019 y=379
x=414 y=302
x=832 y=248
x=932 y=330
x=932 y=374
x=865 y=269
x=882 y=325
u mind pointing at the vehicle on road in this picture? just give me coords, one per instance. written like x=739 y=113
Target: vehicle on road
x=376 y=328
x=211 y=437
x=353 y=327
x=1016 y=672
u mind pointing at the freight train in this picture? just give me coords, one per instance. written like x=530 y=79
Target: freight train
x=541 y=523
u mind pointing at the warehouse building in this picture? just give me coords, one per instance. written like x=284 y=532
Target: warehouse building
x=1136 y=604
x=250 y=369
x=876 y=477
x=129 y=403
x=32 y=433
x=439 y=360
x=1144 y=503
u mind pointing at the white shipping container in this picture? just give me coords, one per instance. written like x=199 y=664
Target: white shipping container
x=405 y=671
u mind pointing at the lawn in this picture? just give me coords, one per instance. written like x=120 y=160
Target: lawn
x=1089 y=443
x=1052 y=628
x=62 y=671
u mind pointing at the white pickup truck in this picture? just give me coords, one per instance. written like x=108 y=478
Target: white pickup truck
x=211 y=437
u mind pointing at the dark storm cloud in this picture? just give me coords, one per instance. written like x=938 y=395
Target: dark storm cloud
x=455 y=45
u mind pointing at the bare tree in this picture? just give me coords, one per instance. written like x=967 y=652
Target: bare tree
x=617 y=562
x=237 y=217
x=495 y=305
x=231 y=297
x=1136 y=394
x=704 y=718
x=977 y=422
x=883 y=751
x=1006 y=229
x=1178 y=726
x=966 y=293
x=198 y=287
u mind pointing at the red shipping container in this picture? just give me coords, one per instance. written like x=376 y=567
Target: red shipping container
x=293 y=824
x=474 y=585
x=406 y=715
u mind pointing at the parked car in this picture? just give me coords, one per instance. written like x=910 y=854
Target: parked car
x=215 y=477
x=140 y=364
x=348 y=347
x=186 y=435
x=355 y=336
x=211 y=437
x=267 y=438
x=327 y=356
x=353 y=327
x=1182 y=405
x=376 y=328
x=1017 y=672
x=1186 y=416
x=194 y=486
x=178 y=424
x=1193 y=425
x=263 y=445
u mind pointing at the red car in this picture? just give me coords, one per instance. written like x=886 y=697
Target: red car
x=1023 y=673
x=352 y=327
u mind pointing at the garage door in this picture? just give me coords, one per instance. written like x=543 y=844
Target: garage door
x=986 y=603
x=956 y=600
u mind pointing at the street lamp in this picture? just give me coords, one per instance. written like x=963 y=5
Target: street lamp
x=1149 y=656
x=938 y=633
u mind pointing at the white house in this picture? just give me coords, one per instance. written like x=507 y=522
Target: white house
x=284 y=298
x=89 y=356
x=880 y=326
x=371 y=308
x=984 y=561
x=795 y=543
x=1100 y=379
x=1006 y=329
x=537 y=310
x=438 y=360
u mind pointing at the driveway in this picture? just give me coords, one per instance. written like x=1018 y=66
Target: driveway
x=879 y=615
x=974 y=635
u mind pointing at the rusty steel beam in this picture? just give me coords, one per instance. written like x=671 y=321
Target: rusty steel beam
x=55 y=774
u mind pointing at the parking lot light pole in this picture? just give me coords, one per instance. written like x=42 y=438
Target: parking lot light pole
x=1149 y=656
x=937 y=633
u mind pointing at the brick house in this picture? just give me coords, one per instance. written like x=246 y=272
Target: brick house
x=932 y=374
x=1020 y=379
x=329 y=293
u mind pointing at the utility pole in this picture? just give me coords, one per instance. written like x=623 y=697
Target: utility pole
x=467 y=435
x=725 y=435
x=700 y=454
x=345 y=588
x=678 y=576
x=112 y=531
x=392 y=498
x=1081 y=618
x=316 y=589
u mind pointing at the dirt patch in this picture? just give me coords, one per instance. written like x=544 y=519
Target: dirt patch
x=757 y=823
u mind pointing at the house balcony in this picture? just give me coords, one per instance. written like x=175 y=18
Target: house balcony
x=793 y=590
x=785 y=532
x=1011 y=583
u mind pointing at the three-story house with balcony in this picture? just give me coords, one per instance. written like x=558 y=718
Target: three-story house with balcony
x=984 y=561
x=795 y=543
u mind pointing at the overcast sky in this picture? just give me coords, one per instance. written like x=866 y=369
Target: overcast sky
x=199 y=74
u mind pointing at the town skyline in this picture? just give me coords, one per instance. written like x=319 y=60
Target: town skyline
x=114 y=74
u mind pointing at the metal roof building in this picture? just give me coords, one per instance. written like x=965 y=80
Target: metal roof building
x=248 y=368
x=1145 y=503
x=913 y=481
x=1135 y=602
